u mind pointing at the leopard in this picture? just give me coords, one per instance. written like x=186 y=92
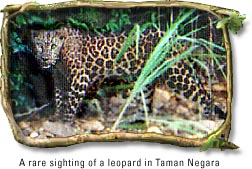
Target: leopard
x=80 y=60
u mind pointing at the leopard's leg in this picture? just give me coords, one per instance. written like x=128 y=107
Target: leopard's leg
x=183 y=80
x=61 y=105
x=210 y=110
x=61 y=81
x=66 y=106
x=58 y=103
x=78 y=87
x=72 y=107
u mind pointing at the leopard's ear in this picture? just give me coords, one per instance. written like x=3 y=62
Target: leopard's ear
x=61 y=33
x=31 y=36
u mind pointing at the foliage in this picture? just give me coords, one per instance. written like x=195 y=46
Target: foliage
x=119 y=18
x=213 y=142
x=28 y=18
x=18 y=83
x=89 y=19
x=16 y=44
x=132 y=127
x=92 y=19
x=157 y=63
x=108 y=88
x=79 y=24
x=134 y=36
x=20 y=20
x=234 y=22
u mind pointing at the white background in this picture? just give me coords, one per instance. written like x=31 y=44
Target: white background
x=11 y=152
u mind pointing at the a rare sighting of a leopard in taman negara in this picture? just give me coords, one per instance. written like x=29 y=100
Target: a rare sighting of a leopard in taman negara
x=80 y=60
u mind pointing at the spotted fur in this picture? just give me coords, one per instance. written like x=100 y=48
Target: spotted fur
x=79 y=60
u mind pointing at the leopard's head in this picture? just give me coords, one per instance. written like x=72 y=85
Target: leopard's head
x=46 y=46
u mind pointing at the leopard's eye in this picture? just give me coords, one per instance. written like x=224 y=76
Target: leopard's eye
x=53 y=46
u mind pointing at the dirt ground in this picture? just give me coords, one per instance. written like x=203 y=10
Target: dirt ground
x=171 y=115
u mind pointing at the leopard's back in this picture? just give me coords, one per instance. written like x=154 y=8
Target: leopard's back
x=90 y=58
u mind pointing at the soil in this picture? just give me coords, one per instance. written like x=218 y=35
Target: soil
x=171 y=115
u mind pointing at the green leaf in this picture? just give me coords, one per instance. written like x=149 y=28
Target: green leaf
x=127 y=43
x=153 y=17
x=20 y=20
x=155 y=58
x=77 y=23
x=207 y=145
x=234 y=22
x=133 y=126
x=213 y=142
x=16 y=43
x=35 y=19
x=50 y=23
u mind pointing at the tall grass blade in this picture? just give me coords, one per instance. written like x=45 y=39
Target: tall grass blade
x=153 y=62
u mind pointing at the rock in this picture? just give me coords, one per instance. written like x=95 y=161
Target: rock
x=59 y=129
x=212 y=125
x=27 y=131
x=154 y=129
x=23 y=125
x=34 y=134
x=117 y=101
x=45 y=135
x=93 y=125
x=161 y=97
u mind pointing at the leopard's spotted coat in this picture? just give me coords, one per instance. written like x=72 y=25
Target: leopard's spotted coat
x=79 y=60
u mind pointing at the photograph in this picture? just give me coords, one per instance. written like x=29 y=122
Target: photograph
x=134 y=73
